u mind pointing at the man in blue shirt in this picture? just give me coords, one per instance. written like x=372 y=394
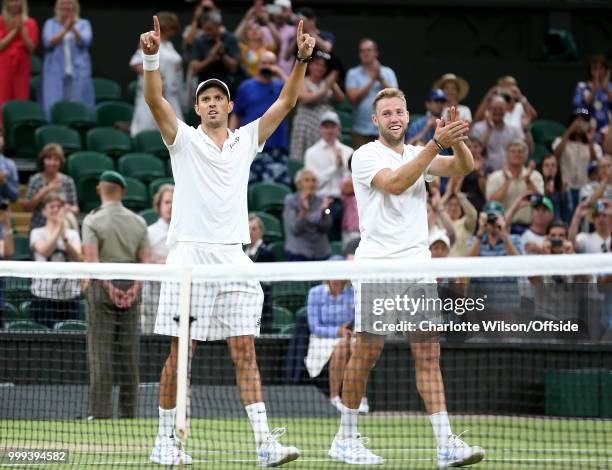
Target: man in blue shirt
x=362 y=84
x=253 y=99
x=9 y=179
x=422 y=129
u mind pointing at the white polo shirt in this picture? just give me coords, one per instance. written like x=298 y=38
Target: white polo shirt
x=321 y=160
x=210 y=194
x=391 y=226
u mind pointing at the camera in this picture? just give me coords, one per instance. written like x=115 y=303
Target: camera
x=266 y=72
x=3 y=205
x=556 y=243
x=491 y=219
x=535 y=199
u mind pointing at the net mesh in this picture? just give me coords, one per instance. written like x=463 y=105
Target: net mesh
x=525 y=357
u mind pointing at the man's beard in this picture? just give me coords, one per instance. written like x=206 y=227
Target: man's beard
x=215 y=124
x=390 y=139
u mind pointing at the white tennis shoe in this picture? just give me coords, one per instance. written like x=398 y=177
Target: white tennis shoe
x=167 y=451
x=457 y=453
x=272 y=453
x=353 y=451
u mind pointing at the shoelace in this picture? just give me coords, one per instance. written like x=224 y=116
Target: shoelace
x=455 y=441
x=358 y=446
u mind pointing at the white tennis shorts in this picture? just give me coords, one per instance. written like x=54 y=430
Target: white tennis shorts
x=219 y=310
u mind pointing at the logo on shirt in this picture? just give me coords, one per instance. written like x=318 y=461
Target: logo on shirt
x=234 y=143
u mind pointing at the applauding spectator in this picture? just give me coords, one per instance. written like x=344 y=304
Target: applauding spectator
x=18 y=39
x=282 y=16
x=455 y=89
x=66 y=73
x=462 y=214
x=422 y=130
x=596 y=94
x=554 y=189
x=55 y=299
x=362 y=84
x=216 y=54
x=542 y=210
x=328 y=160
x=495 y=134
x=51 y=159
x=307 y=220
x=474 y=183
x=319 y=90
x=252 y=46
x=515 y=179
x=601 y=187
x=575 y=149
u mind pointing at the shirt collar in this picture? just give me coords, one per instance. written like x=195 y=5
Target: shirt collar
x=112 y=204
x=252 y=250
x=209 y=141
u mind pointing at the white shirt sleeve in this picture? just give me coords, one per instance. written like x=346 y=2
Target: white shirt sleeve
x=251 y=133
x=581 y=240
x=366 y=165
x=181 y=138
x=36 y=235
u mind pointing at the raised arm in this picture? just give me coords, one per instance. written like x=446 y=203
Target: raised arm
x=290 y=92
x=162 y=111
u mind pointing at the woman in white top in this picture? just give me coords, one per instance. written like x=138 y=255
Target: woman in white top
x=462 y=214
x=456 y=89
x=55 y=299
x=171 y=70
x=519 y=111
x=157 y=232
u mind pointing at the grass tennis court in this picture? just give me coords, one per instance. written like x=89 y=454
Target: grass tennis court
x=405 y=441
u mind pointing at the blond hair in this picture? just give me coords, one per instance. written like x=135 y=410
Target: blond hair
x=388 y=93
x=163 y=189
x=8 y=17
x=77 y=9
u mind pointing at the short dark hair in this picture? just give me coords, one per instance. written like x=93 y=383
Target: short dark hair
x=556 y=224
x=362 y=40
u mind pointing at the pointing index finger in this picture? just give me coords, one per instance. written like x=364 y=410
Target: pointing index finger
x=300 y=29
x=156 y=25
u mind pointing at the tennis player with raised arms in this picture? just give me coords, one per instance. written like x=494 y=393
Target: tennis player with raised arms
x=389 y=181
x=209 y=225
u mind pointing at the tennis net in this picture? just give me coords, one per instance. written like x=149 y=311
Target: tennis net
x=525 y=355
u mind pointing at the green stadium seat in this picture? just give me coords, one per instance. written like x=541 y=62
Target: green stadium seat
x=336 y=248
x=25 y=310
x=278 y=248
x=86 y=189
x=17 y=289
x=25 y=325
x=73 y=114
x=150 y=216
x=21 y=118
x=135 y=196
x=109 y=141
x=346 y=120
x=67 y=138
x=293 y=166
x=290 y=294
x=110 y=113
x=71 y=325
x=302 y=312
x=539 y=152
x=151 y=142
x=169 y=168
x=156 y=184
x=106 y=89
x=86 y=163
x=283 y=319
x=267 y=197
x=143 y=166
x=273 y=229
x=36 y=65
x=344 y=106
x=12 y=313
x=22 y=248
x=131 y=91
x=35 y=84
x=545 y=131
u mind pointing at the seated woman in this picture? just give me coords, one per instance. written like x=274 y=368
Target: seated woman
x=157 y=233
x=331 y=313
x=55 y=299
x=50 y=179
x=307 y=220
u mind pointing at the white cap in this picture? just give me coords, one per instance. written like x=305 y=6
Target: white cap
x=439 y=236
x=330 y=116
x=212 y=82
x=283 y=3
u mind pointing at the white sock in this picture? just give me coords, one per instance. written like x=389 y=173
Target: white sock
x=441 y=427
x=259 y=421
x=335 y=399
x=348 y=422
x=166 y=422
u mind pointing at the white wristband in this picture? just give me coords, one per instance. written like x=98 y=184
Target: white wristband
x=150 y=62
